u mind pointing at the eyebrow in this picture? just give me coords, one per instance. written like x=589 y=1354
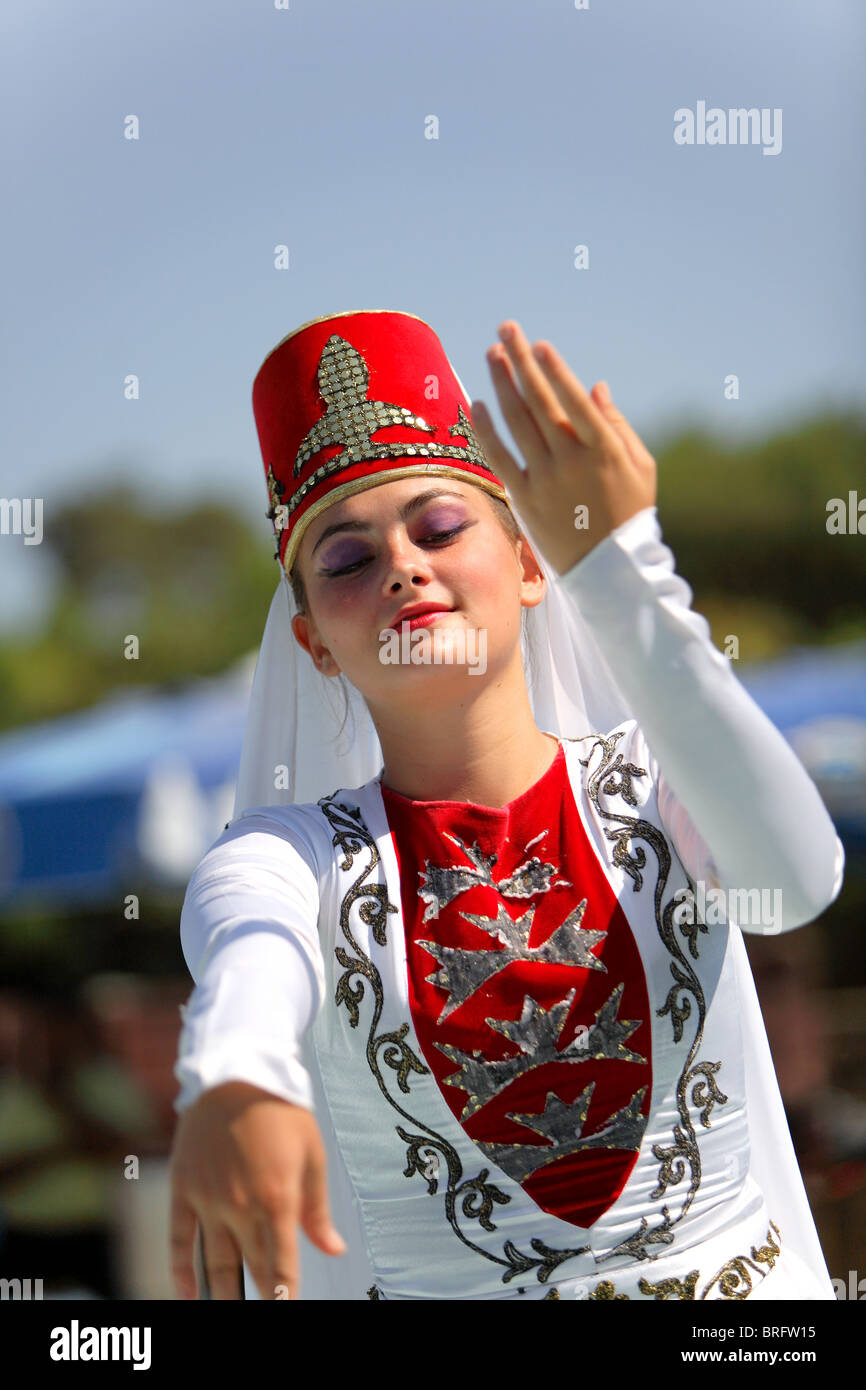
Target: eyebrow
x=411 y=506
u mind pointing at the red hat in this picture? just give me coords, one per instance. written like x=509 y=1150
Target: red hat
x=329 y=387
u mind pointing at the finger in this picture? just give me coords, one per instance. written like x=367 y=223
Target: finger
x=500 y=459
x=315 y=1211
x=581 y=410
x=270 y=1238
x=525 y=427
x=542 y=405
x=280 y=1270
x=614 y=417
x=183 y=1227
x=222 y=1261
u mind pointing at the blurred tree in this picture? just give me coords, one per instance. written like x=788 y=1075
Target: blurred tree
x=748 y=525
x=193 y=586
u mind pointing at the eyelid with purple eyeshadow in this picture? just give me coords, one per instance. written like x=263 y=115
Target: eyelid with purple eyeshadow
x=344 y=554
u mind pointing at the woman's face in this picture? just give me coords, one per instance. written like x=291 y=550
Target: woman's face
x=402 y=544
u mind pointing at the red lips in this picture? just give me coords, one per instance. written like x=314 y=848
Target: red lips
x=415 y=610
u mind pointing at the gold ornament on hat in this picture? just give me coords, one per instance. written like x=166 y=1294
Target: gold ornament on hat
x=351 y=419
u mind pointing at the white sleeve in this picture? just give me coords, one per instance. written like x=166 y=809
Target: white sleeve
x=249 y=932
x=740 y=806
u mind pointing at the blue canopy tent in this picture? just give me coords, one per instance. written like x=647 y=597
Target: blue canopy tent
x=136 y=787
x=817 y=697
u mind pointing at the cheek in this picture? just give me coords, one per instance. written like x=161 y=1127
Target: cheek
x=342 y=612
x=487 y=583
x=489 y=597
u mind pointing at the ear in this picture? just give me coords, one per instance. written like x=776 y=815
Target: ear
x=307 y=636
x=533 y=585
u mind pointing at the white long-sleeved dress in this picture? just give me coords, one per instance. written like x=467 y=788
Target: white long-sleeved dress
x=530 y=1033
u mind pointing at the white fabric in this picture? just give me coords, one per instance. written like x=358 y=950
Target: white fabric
x=721 y=757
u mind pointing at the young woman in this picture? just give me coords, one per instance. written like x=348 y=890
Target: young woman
x=470 y=986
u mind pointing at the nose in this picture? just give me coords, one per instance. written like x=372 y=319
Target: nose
x=406 y=564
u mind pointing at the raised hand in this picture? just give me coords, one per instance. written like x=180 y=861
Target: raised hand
x=587 y=471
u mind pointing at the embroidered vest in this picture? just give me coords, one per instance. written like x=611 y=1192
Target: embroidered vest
x=533 y=1067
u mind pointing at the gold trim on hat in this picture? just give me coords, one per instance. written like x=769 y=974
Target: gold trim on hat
x=343 y=490
x=342 y=314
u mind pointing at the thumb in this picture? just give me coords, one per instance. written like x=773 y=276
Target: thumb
x=315 y=1213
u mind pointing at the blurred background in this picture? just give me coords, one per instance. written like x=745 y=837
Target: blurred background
x=452 y=162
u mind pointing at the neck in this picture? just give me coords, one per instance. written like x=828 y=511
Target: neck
x=480 y=745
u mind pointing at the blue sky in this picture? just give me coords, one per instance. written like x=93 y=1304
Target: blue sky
x=306 y=126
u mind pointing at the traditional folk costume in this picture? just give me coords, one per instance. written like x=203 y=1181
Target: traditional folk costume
x=537 y=1071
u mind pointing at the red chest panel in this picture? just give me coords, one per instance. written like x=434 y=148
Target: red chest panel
x=527 y=990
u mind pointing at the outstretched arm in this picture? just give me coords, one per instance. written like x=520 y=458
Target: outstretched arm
x=248 y=1163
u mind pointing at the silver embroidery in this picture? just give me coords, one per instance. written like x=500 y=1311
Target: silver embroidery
x=563 y=1125
x=530 y=878
x=536 y=1033
x=441 y=884
x=351 y=420
x=696 y=1084
x=465 y=969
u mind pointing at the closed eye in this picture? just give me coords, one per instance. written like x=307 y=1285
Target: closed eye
x=435 y=538
x=443 y=535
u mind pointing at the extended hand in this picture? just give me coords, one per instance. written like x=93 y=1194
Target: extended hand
x=586 y=471
x=249 y=1168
